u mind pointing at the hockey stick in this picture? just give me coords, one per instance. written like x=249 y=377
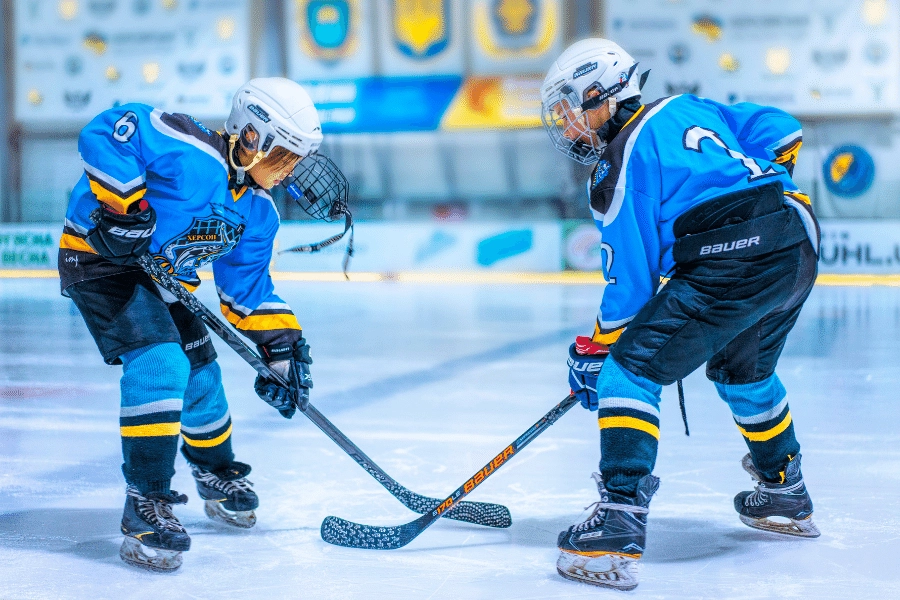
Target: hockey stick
x=480 y=513
x=342 y=532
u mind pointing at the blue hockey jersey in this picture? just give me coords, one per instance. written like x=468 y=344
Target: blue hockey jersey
x=673 y=155
x=134 y=152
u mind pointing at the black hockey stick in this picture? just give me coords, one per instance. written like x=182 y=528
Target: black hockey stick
x=480 y=513
x=342 y=532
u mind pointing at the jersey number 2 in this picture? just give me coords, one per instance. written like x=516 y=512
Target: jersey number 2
x=694 y=135
x=125 y=127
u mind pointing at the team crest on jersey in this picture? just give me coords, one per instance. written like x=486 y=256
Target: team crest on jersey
x=600 y=173
x=328 y=27
x=421 y=27
x=206 y=240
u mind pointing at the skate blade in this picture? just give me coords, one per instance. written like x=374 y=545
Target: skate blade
x=136 y=554
x=244 y=519
x=616 y=571
x=796 y=527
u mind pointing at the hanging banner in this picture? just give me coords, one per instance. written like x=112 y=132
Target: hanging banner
x=514 y=36
x=808 y=57
x=76 y=59
x=329 y=39
x=420 y=37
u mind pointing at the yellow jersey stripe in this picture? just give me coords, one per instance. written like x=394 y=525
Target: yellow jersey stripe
x=71 y=242
x=633 y=117
x=113 y=200
x=799 y=197
x=260 y=322
x=764 y=436
x=790 y=154
x=605 y=338
x=151 y=430
x=207 y=443
x=629 y=423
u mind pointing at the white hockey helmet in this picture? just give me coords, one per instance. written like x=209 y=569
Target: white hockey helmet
x=594 y=64
x=273 y=111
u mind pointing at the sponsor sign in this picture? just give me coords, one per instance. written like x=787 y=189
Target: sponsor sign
x=848 y=171
x=807 y=57
x=860 y=246
x=177 y=56
x=29 y=246
x=380 y=105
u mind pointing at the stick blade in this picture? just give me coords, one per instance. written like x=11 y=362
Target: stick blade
x=342 y=532
x=478 y=513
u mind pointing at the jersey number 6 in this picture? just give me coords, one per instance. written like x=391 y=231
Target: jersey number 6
x=125 y=127
x=694 y=135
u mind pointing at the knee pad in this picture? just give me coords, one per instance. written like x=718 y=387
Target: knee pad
x=753 y=399
x=155 y=372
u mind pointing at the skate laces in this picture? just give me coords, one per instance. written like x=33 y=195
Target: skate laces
x=226 y=486
x=760 y=494
x=598 y=513
x=156 y=508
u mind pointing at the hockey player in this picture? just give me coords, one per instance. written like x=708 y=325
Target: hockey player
x=701 y=194
x=165 y=184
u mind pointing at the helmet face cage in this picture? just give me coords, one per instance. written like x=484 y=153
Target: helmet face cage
x=319 y=187
x=562 y=114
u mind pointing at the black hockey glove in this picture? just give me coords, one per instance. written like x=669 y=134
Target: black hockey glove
x=292 y=363
x=122 y=239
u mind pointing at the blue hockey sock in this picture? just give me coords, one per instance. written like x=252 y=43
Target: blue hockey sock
x=763 y=417
x=153 y=382
x=629 y=427
x=206 y=422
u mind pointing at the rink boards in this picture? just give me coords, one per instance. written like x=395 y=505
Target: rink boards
x=549 y=251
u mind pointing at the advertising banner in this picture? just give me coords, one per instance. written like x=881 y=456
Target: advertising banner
x=75 y=59
x=383 y=104
x=29 y=246
x=329 y=39
x=391 y=247
x=860 y=246
x=420 y=37
x=808 y=57
x=514 y=36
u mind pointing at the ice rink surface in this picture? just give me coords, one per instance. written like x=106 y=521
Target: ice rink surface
x=432 y=381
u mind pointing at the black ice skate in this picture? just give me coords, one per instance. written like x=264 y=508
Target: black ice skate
x=229 y=497
x=604 y=549
x=789 y=502
x=154 y=539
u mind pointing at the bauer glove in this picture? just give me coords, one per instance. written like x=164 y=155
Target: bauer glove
x=122 y=239
x=585 y=361
x=291 y=361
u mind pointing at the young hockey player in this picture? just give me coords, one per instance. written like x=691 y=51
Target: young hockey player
x=165 y=184
x=699 y=193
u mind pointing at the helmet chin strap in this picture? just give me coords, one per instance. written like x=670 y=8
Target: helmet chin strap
x=241 y=170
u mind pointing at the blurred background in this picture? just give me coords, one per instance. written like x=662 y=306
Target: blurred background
x=431 y=108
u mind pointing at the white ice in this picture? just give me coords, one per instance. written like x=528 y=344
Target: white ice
x=432 y=381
